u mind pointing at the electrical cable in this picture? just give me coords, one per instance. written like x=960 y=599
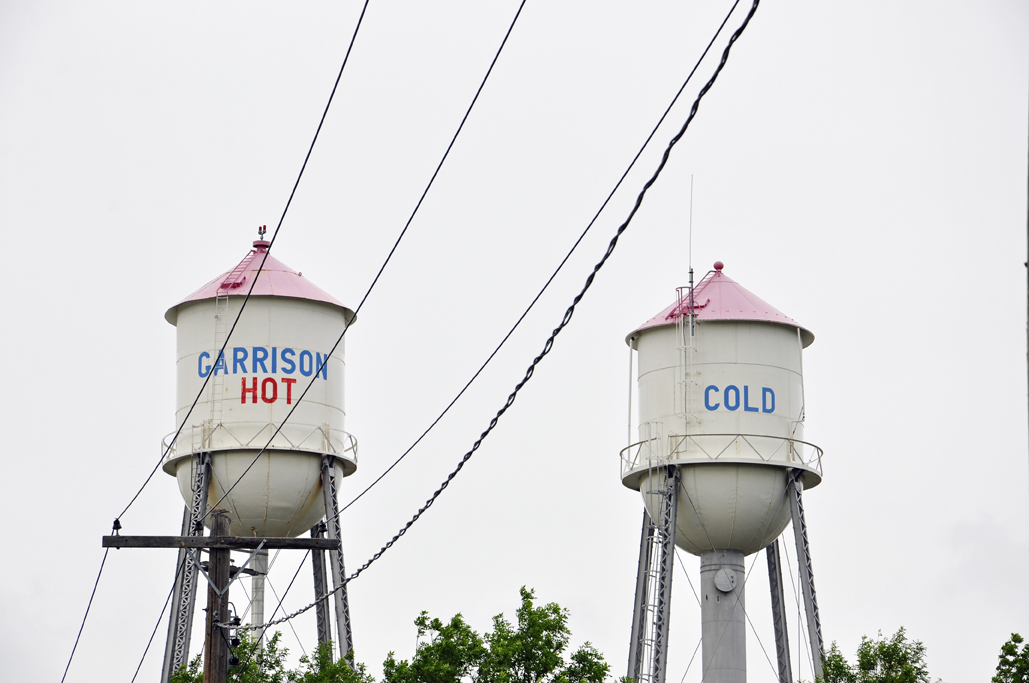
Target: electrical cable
x=802 y=642
x=548 y=345
x=257 y=274
x=260 y=269
x=683 y=567
x=84 y=616
x=389 y=256
x=239 y=667
x=160 y=618
x=561 y=265
x=775 y=672
x=695 y=651
x=295 y=635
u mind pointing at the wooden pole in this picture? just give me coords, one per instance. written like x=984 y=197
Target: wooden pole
x=216 y=646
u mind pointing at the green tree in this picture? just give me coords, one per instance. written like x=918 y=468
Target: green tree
x=453 y=652
x=320 y=668
x=1014 y=663
x=268 y=665
x=835 y=668
x=530 y=652
x=257 y=664
x=883 y=660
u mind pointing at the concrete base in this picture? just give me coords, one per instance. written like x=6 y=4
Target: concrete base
x=724 y=627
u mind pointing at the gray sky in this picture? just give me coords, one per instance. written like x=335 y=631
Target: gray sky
x=861 y=166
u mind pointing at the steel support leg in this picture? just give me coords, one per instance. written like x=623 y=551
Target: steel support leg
x=321 y=608
x=180 y=622
x=662 y=614
x=339 y=573
x=782 y=639
x=639 y=608
x=648 y=650
x=807 y=580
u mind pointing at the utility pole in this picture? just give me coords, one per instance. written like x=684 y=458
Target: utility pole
x=219 y=544
x=216 y=640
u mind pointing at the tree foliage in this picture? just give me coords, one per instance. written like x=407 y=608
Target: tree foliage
x=883 y=660
x=531 y=651
x=268 y=665
x=1013 y=666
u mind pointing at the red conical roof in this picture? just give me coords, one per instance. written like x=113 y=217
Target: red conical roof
x=719 y=297
x=276 y=279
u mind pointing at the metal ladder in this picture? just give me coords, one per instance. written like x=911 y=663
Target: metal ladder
x=648 y=647
x=221 y=331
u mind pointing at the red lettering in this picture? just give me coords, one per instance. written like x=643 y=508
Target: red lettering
x=244 y=391
x=289 y=389
x=264 y=390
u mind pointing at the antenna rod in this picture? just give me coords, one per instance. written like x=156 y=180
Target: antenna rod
x=691 y=256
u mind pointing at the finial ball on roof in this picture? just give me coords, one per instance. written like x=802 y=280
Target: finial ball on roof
x=719 y=265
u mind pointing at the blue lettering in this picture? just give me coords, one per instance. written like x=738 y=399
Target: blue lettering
x=288 y=366
x=220 y=365
x=260 y=356
x=310 y=363
x=707 y=398
x=735 y=390
x=275 y=353
x=239 y=358
x=746 y=400
x=202 y=370
x=765 y=394
x=323 y=365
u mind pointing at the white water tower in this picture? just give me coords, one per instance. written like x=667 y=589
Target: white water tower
x=719 y=456
x=237 y=450
x=281 y=343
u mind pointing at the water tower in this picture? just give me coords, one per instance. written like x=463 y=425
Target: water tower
x=281 y=343
x=720 y=462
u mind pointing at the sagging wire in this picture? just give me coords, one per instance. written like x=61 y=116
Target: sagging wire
x=561 y=265
x=389 y=256
x=548 y=345
x=260 y=269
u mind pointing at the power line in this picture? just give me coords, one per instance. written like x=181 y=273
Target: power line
x=171 y=443
x=389 y=256
x=556 y=271
x=549 y=344
x=239 y=667
x=160 y=618
x=561 y=265
x=260 y=269
x=84 y=616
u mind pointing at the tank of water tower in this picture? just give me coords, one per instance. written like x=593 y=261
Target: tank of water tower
x=281 y=344
x=721 y=395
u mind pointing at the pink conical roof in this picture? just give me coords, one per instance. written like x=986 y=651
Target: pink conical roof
x=719 y=297
x=276 y=279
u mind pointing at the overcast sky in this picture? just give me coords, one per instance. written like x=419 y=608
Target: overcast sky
x=860 y=166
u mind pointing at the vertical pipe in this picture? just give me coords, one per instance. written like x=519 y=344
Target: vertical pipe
x=260 y=567
x=723 y=619
x=216 y=645
x=321 y=607
x=782 y=639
